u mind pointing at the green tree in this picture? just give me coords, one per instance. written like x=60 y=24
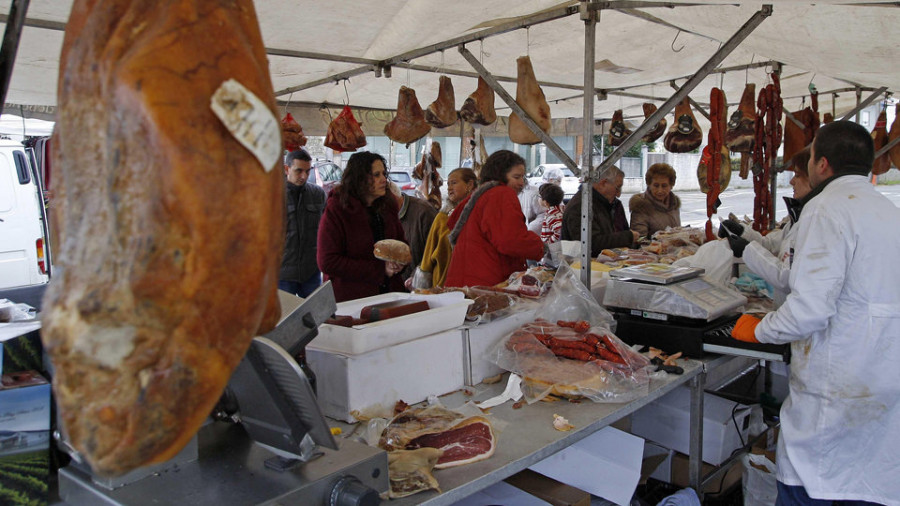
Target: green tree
x=634 y=152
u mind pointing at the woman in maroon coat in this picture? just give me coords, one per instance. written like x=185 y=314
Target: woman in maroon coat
x=487 y=229
x=359 y=213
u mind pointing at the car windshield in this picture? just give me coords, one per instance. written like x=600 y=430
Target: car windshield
x=400 y=177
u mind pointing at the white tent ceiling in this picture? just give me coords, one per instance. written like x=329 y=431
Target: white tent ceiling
x=834 y=46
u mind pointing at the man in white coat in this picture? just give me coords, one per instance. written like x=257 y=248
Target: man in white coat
x=840 y=425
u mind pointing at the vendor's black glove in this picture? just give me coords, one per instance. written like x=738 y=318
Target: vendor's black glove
x=737 y=244
x=732 y=226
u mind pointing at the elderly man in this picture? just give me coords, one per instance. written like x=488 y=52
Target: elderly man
x=840 y=425
x=603 y=228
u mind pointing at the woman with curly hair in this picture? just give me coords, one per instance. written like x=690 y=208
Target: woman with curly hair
x=359 y=213
x=656 y=208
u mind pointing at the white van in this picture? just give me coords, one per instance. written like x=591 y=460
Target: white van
x=24 y=241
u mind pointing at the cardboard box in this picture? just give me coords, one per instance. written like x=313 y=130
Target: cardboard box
x=657 y=462
x=715 y=488
x=482 y=338
x=548 y=490
x=371 y=383
x=666 y=421
x=606 y=464
x=504 y=493
x=24 y=438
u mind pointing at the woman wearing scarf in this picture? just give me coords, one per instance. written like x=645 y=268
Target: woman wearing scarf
x=436 y=258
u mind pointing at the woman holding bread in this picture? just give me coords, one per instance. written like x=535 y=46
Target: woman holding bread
x=358 y=214
x=487 y=229
x=436 y=258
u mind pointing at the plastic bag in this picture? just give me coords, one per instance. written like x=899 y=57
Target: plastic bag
x=716 y=257
x=573 y=359
x=568 y=299
x=421 y=279
x=489 y=304
x=758 y=480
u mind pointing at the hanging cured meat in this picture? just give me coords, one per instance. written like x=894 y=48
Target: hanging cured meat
x=427 y=172
x=880 y=137
x=894 y=133
x=409 y=124
x=170 y=223
x=684 y=135
x=292 y=133
x=769 y=108
x=827 y=118
x=724 y=172
x=740 y=136
x=344 y=132
x=531 y=99
x=716 y=171
x=617 y=129
x=797 y=138
x=660 y=127
x=479 y=107
x=442 y=112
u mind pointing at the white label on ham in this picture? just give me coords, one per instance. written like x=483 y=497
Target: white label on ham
x=249 y=121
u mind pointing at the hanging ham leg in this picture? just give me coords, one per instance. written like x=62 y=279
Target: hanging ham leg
x=894 y=153
x=530 y=97
x=740 y=136
x=660 y=127
x=409 y=124
x=442 y=112
x=344 y=132
x=617 y=130
x=479 y=107
x=796 y=138
x=880 y=137
x=684 y=136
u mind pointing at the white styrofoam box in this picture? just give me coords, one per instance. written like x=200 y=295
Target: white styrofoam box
x=667 y=421
x=607 y=464
x=483 y=337
x=501 y=493
x=371 y=383
x=448 y=310
x=663 y=470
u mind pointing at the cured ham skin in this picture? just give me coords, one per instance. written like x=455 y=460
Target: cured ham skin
x=894 y=153
x=617 y=129
x=169 y=229
x=684 y=135
x=442 y=112
x=660 y=127
x=740 y=136
x=479 y=107
x=344 y=132
x=531 y=99
x=880 y=136
x=409 y=124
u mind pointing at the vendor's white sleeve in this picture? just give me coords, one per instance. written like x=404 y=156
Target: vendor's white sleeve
x=770 y=241
x=768 y=266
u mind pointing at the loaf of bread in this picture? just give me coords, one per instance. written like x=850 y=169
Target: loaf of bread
x=169 y=223
x=392 y=250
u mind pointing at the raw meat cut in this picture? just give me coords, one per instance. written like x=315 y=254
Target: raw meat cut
x=617 y=129
x=531 y=99
x=660 y=127
x=170 y=226
x=895 y=132
x=409 y=124
x=344 y=132
x=796 y=138
x=741 y=133
x=880 y=138
x=479 y=107
x=463 y=439
x=292 y=133
x=684 y=135
x=442 y=112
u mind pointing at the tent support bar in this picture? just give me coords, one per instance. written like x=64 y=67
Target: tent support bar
x=692 y=83
x=37 y=23
x=511 y=102
x=693 y=102
x=319 y=56
x=865 y=103
x=336 y=78
x=464 y=73
x=11 y=37
x=589 y=15
x=887 y=147
x=796 y=121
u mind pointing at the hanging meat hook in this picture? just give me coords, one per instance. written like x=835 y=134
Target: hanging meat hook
x=673 y=43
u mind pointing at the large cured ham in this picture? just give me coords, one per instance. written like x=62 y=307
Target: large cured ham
x=442 y=112
x=344 y=132
x=409 y=124
x=617 y=129
x=797 y=138
x=880 y=138
x=660 y=127
x=169 y=223
x=462 y=439
x=479 y=107
x=740 y=136
x=684 y=135
x=894 y=133
x=531 y=99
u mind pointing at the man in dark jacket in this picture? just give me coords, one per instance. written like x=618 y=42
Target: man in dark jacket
x=304 y=204
x=603 y=229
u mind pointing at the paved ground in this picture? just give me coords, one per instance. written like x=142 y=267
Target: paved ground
x=740 y=202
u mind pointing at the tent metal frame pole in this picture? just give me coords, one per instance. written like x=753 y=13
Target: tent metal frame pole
x=858 y=107
x=307 y=55
x=865 y=103
x=692 y=83
x=524 y=116
x=474 y=75
x=589 y=16
x=693 y=102
x=11 y=37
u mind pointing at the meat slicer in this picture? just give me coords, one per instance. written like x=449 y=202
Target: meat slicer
x=265 y=443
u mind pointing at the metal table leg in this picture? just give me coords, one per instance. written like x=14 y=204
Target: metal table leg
x=695 y=459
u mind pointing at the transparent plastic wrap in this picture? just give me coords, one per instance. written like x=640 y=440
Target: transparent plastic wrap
x=573 y=359
x=533 y=282
x=658 y=299
x=715 y=257
x=569 y=299
x=490 y=304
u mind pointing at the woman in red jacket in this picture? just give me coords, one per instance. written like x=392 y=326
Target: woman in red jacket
x=488 y=232
x=358 y=214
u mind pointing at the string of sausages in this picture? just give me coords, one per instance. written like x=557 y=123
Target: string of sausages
x=768 y=140
x=583 y=345
x=718 y=118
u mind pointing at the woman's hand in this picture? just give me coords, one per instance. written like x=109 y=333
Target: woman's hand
x=391 y=268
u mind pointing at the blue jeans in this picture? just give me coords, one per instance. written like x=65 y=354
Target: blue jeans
x=302 y=289
x=796 y=496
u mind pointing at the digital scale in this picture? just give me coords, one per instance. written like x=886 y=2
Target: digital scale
x=677 y=309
